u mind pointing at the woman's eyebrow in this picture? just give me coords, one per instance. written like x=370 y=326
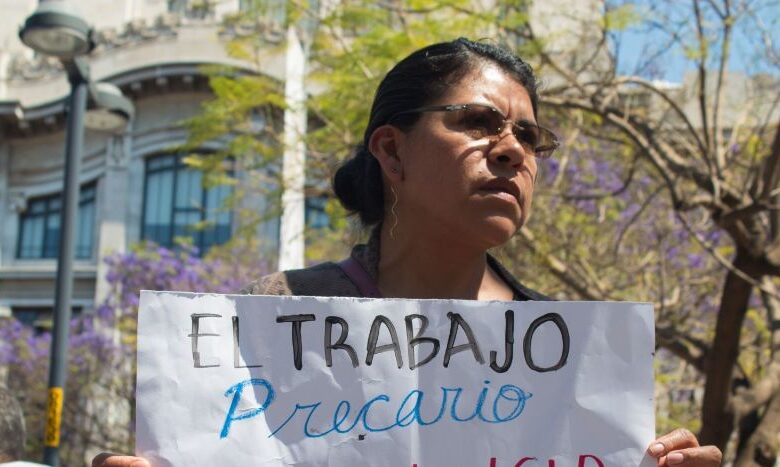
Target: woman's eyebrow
x=525 y=121
x=519 y=121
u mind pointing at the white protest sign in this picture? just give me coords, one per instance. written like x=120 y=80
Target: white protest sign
x=237 y=380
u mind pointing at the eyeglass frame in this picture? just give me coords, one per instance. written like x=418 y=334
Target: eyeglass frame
x=543 y=152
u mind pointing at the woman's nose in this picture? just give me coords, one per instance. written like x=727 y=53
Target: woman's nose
x=507 y=150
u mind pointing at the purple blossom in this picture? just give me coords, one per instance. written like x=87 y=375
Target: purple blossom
x=696 y=261
x=101 y=344
x=550 y=169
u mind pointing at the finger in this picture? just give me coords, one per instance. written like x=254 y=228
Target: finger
x=704 y=456
x=108 y=459
x=678 y=439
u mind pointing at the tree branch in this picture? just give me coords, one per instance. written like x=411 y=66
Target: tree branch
x=749 y=399
x=608 y=194
x=771 y=168
x=726 y=20
x=661 y=155
x=761 y=448
x=560 y=270
x=690 y=350
x=731 y=267
x=675 y=106
x=702 y=74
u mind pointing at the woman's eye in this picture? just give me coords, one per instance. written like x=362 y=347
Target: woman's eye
x=527 y=137
x=478 y=124
x=478 y=121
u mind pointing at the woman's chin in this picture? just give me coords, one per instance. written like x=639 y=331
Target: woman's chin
x=496 y=230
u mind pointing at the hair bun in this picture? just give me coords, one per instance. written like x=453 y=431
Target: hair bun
x=358 y=185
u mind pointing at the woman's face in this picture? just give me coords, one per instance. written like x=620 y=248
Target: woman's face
x=475 y=190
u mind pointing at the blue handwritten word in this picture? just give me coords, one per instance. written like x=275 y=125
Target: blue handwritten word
x=236 y=390
x=508 y=403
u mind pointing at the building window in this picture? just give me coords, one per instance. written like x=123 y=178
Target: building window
x=316 y=216
x=177 y=205
x=39 y=232
x=177 y=6
x=274 y=10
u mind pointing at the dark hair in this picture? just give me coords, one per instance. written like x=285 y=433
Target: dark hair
x=417 y=80
x=12 y=433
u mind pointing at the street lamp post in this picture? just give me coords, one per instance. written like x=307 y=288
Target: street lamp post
x=53 y=30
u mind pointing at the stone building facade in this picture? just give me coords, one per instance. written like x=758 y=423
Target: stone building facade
x=133 y=186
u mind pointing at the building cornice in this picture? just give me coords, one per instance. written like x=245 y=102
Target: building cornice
x=166 y=57
x=45 y=269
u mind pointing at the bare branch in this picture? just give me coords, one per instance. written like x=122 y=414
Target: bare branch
x=634 y=218
x=608 y=194
x=683 y=346
x=660 y=154
x=718 y=11
x=674 y=105
x=702 y=75
x=749 y=399
x=761 y=446
x=771 y=169
x=560 y=270
x=727 y=22
x=723 y=261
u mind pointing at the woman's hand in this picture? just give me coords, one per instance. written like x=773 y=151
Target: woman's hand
x=681 y=447
x=115 y=460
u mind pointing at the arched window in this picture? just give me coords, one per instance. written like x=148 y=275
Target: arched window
x=177 y=205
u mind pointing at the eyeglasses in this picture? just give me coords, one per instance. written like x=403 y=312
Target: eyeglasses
x=480 y=121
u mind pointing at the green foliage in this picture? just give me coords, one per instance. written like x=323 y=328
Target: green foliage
x=621 y=17
x=602 y=220
x=349 y=50
x=359 y=43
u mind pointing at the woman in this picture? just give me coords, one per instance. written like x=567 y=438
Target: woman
x=446 y=171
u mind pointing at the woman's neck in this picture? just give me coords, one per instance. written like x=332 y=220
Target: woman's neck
x=425 y=264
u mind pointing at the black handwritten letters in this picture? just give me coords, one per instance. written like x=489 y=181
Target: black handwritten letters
x=340 y=343
x=297 y=321
x=196 y=317
x=562 y=328
x=383 y=337
x=373 y=336
x=509 y=339
x=416 y=339
x=457 y=322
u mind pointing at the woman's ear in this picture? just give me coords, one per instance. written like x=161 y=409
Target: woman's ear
x=383 y=145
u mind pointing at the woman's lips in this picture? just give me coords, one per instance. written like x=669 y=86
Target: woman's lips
x=502 y=188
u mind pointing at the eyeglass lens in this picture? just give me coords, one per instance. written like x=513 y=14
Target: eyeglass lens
x=480 y=122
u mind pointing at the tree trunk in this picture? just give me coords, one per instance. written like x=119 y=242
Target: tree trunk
x=760 y=450
x=717 y=418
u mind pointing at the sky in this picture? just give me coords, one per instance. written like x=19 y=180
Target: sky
x=635 y=43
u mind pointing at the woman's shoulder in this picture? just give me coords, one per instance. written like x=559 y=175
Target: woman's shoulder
x=323 y=280
x=521 y=292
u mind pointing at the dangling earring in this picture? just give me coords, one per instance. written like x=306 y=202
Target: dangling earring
x=394 y=214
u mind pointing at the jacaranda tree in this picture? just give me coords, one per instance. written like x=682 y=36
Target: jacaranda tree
x=661 y=193
x=100 y=389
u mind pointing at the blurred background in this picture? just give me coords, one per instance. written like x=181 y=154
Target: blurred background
x=666 y=189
